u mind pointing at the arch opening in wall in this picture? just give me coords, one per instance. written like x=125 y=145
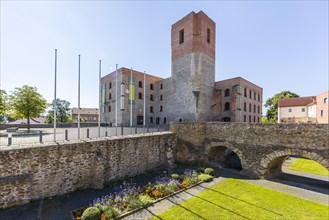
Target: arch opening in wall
x=224 y=157
x=306 y=165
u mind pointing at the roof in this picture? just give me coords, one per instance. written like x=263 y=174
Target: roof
x=300 y=101
x=32 y=121
x=85 y=111
x=238 y=79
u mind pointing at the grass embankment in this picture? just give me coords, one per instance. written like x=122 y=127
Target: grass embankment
x=309 y=166
x=236 y=199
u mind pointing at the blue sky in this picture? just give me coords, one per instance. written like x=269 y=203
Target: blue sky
x=278 y=45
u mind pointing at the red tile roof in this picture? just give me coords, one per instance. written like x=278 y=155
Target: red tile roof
x=300 y=101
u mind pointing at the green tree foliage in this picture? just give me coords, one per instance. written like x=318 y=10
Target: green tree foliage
x=63 y=111
x=3 y=105
x=27 y=103
x=272 y=105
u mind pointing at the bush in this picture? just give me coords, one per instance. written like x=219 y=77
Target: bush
x=91 y=213
x=175 y=176
x=134 y=203
x=205 y=177
x=99 y=206
x=172 y=187
x=209 y=171
x=146 y=199
x=111 y=213
x=200 y=169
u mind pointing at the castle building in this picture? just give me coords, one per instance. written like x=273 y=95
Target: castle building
x=190 y=94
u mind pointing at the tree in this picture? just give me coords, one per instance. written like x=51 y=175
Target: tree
x=3 y=104
x=63 y=111
x=27 y=103
x=272 y=104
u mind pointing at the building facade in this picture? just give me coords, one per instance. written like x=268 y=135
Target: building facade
x=311 y=109
x=190 y=94
x=86 y=114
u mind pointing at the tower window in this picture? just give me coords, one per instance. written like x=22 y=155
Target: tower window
x=254 y=109
x=227 y=106
x=109 y=108
x=258 y=97
x=161 y=86
x=140 y=84
x=255 y=96
x=249 y=107
x=164 y=120
x=227 y=92
x=161 y=109
x=151 y=97
x=245 y=92
x=245 y=106
x=249 y=118
x=110 y=96
x=161 y=97
x=244 y=118
x=151 y=120
x=258 y=109
x=325 y=100
x=250 y=94
x=151 y=86
x=151 y=109
x=208 y=35
x=140 y=95
x=181 y=36
x=110 y=85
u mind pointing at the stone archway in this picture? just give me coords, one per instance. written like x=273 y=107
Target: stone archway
x=271 y=164
x=224 y=153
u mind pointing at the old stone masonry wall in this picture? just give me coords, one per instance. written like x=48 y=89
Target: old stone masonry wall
x=42 y=171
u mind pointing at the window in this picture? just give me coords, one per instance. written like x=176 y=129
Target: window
x=110 y=96
x=151 y=120
x=161 y=109
x=164 y=120
x=161 y=86
x=258 y=109
x=254 y=109
x=250 y=94
x=258 y=97
x=157 y=120
x=140 y=95
x=325 y=100
x=109 y=108
x=245 y=92
x=254 y=119
x=227 y=106
x=321 y=113
x=303 y=109
x=151 y=97
x=227 y=92
x=258 y=119
x=290 y=110
x=245 y=106
x=151 y=86
x=181 y=36
x=160 y=97
x=244 y=118
x=249 y=118
x=110 y=85
x=140 y=84
x=208 y=35
x=249 y=107
x=151 y=109
x=254 y=96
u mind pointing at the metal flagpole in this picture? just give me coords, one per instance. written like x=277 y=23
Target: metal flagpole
x=131 y=99
x=55 y=106
x=79 y=100
x=144 y=119
x=116 y=99
x=100 y=97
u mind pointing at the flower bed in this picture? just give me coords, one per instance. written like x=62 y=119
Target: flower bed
x=130 y=198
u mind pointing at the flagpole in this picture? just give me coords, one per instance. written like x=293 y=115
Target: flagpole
x=116 y=99
x=100 y=97
x=79 y=100
x=131 y=98
x=55 y=106
x=144 y=119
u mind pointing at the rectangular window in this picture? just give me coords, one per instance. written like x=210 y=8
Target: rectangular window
x=290 y=110
x=181 y=36
x=303 y=109
x=208 y=35
x=321 y=113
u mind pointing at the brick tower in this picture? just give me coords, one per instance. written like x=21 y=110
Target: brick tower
x=193 y=67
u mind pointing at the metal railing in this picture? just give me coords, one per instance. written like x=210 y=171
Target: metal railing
x=46 y=135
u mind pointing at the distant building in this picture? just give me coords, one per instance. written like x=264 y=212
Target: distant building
x=40 y=120
x=86 y=114
x=311 y=109
x=191 y=93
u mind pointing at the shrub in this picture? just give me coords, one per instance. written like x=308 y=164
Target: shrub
x=172 y=187
x=175 y=176
x=99 y=206
x=200 y=169
x=134 y=203
x=91 y=213
x=146 y=199
x=205 y=177
x=111 y=213
x=209 y=171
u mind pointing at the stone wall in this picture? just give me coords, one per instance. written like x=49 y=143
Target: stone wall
x=58 y=125
x=42 y=171
x=261 y=148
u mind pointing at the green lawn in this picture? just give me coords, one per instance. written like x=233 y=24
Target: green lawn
x=236 y=199
x=309 y=166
